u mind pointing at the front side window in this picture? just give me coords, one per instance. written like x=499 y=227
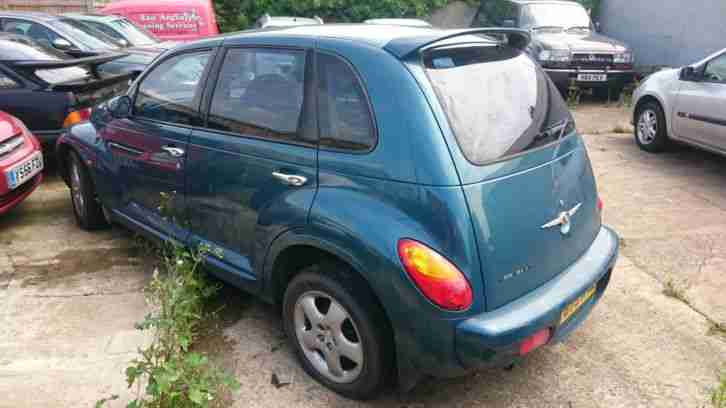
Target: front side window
x=30 y=29
x=344 y=115
x=716 y=70
x=171 y=91
x=498 y=101
x=85 y=35
x=260 y=93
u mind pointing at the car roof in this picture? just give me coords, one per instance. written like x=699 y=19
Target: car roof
x=397 y=39
x=374 y=34
x=91 y=17
x=413 y=22
x=36 y=15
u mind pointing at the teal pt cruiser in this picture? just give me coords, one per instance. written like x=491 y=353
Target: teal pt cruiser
x=417 y=200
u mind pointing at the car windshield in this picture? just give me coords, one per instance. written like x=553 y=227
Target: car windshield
x=134 y=34
x=498 y=101
x=561 y=16
x=89 y=37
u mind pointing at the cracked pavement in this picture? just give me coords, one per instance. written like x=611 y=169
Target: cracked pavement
x=70 y=300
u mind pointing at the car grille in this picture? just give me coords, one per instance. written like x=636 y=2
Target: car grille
x=592 y=60
x=10 y=145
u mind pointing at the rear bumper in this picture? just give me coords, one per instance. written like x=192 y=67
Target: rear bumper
x=493 y=338
x=563 y=77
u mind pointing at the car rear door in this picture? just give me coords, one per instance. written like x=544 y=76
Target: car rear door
x=252 y=172
x=700 y=111
x=149 y=148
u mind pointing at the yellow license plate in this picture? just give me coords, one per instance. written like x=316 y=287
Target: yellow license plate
x=573 y=307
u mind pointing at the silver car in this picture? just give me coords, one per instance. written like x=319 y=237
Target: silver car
x=687 y=105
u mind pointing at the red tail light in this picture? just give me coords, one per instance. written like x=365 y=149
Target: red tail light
x=439 y=280
x=599 y=204
x=540 y=338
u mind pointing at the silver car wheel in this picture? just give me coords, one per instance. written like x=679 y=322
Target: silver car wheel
x=647 y=127
x=328 y=337
x=76 y=191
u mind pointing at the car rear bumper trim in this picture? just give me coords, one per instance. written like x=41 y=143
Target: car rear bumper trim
x=493 y=338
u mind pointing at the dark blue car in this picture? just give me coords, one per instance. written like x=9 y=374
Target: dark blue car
x=418 y=200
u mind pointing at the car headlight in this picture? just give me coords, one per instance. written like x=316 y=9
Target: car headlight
x=555 y=56
x=623 y=58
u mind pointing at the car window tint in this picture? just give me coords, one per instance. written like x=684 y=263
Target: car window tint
x=344 y=115
x=492 y=13
x=260 y=93
x=168 y=93
x=35 y=31
x=104 y=29
x=716 y=70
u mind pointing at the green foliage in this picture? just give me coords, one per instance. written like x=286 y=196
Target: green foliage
x=233 y=15
x=167 y=374
x=718 y=397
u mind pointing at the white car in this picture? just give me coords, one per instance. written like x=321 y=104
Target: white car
x=687 y=105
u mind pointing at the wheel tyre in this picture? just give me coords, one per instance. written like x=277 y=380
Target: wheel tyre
x=86 y=208
x=344 y=287
x=650 y=128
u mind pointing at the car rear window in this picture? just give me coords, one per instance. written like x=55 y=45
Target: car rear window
x=497 y=100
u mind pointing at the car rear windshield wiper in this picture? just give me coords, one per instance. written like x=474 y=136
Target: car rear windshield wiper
x=554 y=132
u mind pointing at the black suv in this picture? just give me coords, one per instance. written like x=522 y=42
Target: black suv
x=565 y=42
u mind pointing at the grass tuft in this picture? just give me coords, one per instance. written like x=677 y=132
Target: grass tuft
x=674 y=290
x=718 y=396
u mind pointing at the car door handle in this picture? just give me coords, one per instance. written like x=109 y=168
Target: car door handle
x=290 y=179
x=173 y=151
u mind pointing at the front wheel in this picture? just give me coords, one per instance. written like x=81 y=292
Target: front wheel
x=86 y=208
x=650 y=128
x=338 y=333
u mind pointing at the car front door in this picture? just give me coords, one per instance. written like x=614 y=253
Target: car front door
x=148 y=149
x=252 y=172
x=700 y=110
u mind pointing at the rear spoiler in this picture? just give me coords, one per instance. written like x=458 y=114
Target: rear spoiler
x=91 y=62
x=406 y=47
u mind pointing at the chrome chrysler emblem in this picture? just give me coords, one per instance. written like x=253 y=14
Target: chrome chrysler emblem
x=563 y=220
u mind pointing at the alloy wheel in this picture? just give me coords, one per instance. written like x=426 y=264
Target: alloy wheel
x=76 y=189
x=328 y=337
x=647 y=127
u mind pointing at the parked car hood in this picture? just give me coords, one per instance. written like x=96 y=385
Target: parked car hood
x=579 y=42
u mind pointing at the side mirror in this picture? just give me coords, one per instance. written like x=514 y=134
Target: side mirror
x=62 y=44
x=120 y=107
x=509 y=23
x=689 y=74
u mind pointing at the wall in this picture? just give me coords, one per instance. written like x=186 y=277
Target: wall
x=666 y=32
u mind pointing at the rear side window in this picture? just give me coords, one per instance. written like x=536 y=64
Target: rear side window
x=260 y=93
x=170 y=92
x=499 y=103
x=344 y=115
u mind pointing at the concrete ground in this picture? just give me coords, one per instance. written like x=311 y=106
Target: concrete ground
x=70 y=300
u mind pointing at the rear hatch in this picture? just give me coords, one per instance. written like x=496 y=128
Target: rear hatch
x=78 y=77
x=525 y=173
